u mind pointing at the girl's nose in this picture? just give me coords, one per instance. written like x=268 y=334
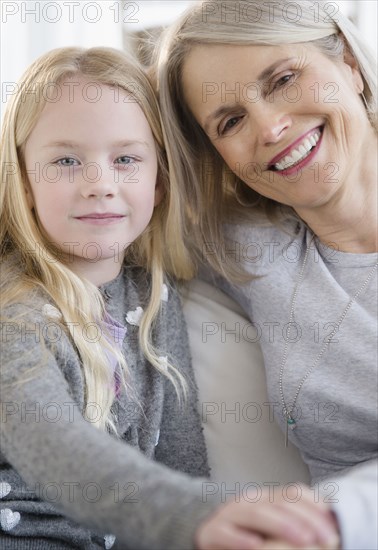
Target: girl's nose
x=98 y=182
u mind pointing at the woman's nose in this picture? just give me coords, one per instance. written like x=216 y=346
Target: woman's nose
x=271 y=125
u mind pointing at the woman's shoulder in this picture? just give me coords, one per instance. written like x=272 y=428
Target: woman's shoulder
x=262 y=229
x=258 y=246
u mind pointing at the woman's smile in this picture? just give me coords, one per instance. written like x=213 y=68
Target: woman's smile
x=298 y=155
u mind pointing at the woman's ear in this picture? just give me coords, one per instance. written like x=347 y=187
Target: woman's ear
x=351 y=61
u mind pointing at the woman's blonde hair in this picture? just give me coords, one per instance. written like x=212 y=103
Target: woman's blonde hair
x=196 y=164
x=160 y=249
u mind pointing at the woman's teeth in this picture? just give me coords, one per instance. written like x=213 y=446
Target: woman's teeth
x=299 y=153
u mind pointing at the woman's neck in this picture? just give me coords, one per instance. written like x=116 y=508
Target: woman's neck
x=355 y=232
x=349 y=221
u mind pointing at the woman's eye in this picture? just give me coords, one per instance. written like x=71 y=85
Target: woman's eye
x=230 y=123
x=283 y=80
x=67 y=161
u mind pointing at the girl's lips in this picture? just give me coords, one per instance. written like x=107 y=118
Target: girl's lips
x=286 y=152
x=101 y=219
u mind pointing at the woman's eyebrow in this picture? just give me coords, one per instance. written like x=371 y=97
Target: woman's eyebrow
x=218 y=113
x=266 y=73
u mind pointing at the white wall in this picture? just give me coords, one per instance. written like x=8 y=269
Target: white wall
x=31 y=27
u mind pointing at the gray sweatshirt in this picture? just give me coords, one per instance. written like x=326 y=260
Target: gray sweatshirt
x=336 y=409
x=66 y=484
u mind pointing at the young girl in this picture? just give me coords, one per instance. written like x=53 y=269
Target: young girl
x=96 y=377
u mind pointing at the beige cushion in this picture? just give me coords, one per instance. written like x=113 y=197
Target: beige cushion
x=244 y=443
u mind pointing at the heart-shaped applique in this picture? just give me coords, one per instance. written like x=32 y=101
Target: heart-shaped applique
x=5 y=489
x=164 y=293
x=134 y=317
x=52 y=312
x=9 y=519
x=109 y=541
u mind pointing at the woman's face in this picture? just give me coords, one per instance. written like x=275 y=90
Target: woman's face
x=287 y=120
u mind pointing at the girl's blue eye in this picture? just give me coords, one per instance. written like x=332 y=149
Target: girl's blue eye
x=67 y=162
x=124 y=160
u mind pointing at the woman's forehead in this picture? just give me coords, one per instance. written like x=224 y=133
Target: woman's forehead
x=226 y=64
x=223 y=56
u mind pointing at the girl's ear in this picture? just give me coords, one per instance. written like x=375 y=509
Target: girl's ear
x=350 y=60
x=26 y=183
x=29 y=196
x=159 y=191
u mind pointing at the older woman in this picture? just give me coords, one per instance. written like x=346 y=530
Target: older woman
x=271 y=114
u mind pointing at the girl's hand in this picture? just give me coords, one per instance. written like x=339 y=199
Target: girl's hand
x=248 y=525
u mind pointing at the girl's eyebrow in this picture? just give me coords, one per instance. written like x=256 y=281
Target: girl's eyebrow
x=62 y=144
x=127 y=142
x=224 y=109
x=74 y=145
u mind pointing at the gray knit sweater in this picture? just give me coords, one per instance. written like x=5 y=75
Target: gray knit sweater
x=336 y=405
x=66 y=484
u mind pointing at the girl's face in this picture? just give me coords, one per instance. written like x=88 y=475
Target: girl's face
x=92 y=168
x=287 y=120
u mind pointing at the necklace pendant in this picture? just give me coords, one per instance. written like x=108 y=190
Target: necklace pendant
x=290 y=423
x=287 y=435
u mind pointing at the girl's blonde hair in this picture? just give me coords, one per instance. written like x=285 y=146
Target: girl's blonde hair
x=196 y=165
x=160 y=249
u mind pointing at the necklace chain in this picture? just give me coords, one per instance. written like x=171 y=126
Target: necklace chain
x=288 y=411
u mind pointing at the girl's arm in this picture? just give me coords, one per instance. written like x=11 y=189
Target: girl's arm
x=45 y=439
x=181 y=444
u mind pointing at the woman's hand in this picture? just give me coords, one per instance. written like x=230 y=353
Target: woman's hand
x=280 y=545
x=282 y=524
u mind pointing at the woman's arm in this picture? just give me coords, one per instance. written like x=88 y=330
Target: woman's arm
x=356 y=508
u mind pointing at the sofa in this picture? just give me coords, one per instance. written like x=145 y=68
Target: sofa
x=245 y=446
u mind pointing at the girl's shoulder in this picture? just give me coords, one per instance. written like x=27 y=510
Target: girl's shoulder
x=34 y=306
x=30 y=321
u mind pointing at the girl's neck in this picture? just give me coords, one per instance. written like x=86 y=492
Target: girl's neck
x=97 y=272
